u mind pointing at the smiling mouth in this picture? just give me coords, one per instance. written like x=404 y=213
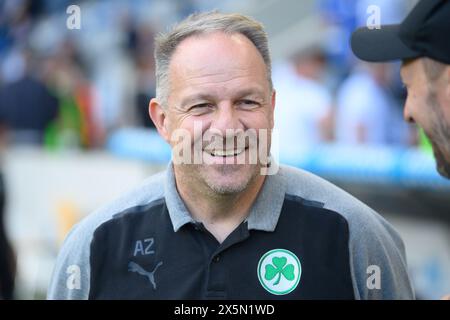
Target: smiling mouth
x=226 y=153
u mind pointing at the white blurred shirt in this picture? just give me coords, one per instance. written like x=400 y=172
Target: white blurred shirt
x=362 y=102
x=300 y=105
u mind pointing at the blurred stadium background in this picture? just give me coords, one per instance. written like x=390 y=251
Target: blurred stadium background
x=75 y=134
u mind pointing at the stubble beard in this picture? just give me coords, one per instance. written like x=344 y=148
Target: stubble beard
x=439 y=136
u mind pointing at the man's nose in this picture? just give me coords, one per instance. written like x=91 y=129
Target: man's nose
x=226 y=118
x=407 y=115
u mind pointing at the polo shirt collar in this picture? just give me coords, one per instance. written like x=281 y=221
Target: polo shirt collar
x=264 y=213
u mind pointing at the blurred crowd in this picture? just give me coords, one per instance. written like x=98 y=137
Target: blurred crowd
x=324 y=94
x=70 y=89
x=65 y=88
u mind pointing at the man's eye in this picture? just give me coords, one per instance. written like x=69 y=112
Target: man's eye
x=248 y=103
x=200 y=107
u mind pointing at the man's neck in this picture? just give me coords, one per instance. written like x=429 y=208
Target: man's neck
x=220 y=214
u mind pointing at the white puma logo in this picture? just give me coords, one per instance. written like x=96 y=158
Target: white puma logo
x=134 y=267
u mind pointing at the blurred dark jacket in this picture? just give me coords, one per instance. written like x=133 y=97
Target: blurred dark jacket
x=27 y=105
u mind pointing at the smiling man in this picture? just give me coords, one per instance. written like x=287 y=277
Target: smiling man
x=225 y=98
x=224 y=221
x=421 y=42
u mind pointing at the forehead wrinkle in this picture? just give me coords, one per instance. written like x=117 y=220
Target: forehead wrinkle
x=225 y=68
x=244 y=92
x=186 y=78
x=218 y=87
x=205 y=80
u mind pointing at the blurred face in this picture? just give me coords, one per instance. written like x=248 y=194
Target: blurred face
x=428 y=105
x=218 y=91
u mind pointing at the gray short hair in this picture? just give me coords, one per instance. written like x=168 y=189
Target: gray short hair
x=204 y=23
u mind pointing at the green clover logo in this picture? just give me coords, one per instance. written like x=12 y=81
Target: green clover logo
x=279 y=271
x=279 y=268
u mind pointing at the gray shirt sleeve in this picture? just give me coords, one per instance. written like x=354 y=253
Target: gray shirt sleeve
x=71 y=274
x=377 y=259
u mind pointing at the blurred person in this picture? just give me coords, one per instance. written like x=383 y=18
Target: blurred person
x=141 y=49
x=146 y=89
x=75 y=126
x=303 y=114
x=421 y=42
x=367 y=111
x=26 y=105
x=224 y=228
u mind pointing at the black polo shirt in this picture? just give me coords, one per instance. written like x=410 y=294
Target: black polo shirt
x=304 y=238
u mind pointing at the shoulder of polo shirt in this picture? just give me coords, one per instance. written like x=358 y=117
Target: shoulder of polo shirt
x=76 y=247
x=372 y=240
x=317 y=191
x=146 y=194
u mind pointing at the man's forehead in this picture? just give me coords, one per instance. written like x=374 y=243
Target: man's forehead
x=215 y=50
x=208 y=38
x=216 y=60
x=242 y=91
x=408 y=66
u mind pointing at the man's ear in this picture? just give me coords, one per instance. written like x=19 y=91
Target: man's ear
x=447 y=71
x=272 y=105
x=159 y=118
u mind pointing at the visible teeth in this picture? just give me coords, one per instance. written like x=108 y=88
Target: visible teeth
x=226 y=153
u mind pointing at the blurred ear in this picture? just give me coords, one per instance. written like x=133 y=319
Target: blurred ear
x=272 y=104
x=159 y=118
x=447 y=74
